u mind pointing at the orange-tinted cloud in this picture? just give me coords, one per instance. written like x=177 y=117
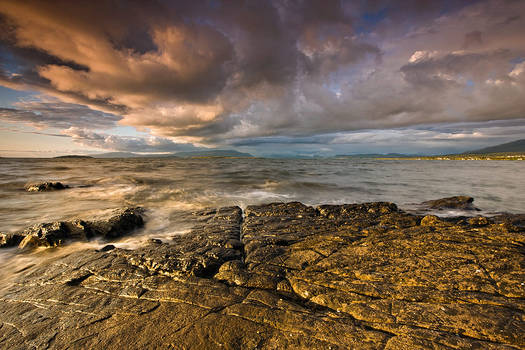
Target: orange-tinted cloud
x=212 y=71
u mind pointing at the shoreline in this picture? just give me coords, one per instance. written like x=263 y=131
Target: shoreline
x=285 y=275
x=504 y=156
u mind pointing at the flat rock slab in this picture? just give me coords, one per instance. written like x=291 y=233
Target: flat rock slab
x=362 y=276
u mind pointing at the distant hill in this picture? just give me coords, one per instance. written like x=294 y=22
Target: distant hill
x=374 y=155
x=514 y=146
x=117 y=155
x=213 y=153
x=190 y=154
x=74 y=156
x=286 y=156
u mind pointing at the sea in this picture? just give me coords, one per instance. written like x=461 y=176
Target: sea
x=170 y=188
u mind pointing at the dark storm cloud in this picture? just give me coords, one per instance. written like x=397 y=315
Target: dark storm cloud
x=160 y=61
x=473 y=39
x=223 y=71
x=454 y=69
x=89 y=138
x=282 y=140
x=32 y=132
x=57 y=115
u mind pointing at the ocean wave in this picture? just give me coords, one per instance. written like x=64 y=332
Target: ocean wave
x=181 y=185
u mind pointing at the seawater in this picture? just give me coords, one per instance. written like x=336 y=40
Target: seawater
x=170 y=188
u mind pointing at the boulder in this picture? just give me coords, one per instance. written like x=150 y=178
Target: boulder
x=10 y=239
x=45 y=186
x=46 y=235
x=120 y=223
x=456 y=202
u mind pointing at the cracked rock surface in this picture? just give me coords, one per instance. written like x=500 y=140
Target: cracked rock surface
x=363 y=276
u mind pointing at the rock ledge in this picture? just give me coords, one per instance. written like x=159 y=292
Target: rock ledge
x=356 y=276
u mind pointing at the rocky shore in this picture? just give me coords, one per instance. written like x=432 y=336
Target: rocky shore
x=52 y=234
x=285 y=275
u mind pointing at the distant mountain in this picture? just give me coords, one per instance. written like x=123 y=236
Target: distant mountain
x=514 y=146
x=286 y=156
x=117 y=155
x=373 y=155
x=212 y=153
x=74 y=156
x=190 y=154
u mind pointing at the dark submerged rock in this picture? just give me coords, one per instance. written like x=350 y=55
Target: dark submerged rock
x=45 y=186
x=456 y=202
x=363 y=276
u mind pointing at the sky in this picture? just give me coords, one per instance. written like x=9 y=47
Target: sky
x=272 y=78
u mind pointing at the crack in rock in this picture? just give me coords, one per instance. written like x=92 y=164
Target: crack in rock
x=284 y=275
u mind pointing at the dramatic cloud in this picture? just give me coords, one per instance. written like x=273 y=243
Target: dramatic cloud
x=153 y=144
x=57 y=115
x=430 y=139
x=220 y=72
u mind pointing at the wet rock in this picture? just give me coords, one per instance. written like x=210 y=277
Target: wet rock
x=45 y=186
x=10 y=239
x=456 y=202
x=433 y=220
x=121 y=222
x=478 y=221
x=200 y=252
x=514 y=222
x=47 y=235
x=107 y=248
x=287 y=275
x=234 y=272
x=78 y=230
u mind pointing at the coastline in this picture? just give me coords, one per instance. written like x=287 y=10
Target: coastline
x=285 y=275
x=504 y=156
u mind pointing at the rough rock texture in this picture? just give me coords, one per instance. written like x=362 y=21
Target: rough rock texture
x=362 y=276
x=56 y=233
x=10 y=239
x=456 y=202
x=45 y=186
x=122 y=222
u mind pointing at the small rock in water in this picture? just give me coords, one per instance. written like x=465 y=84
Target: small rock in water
x=45 y=186
x=456 y=202
x=107 y=248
